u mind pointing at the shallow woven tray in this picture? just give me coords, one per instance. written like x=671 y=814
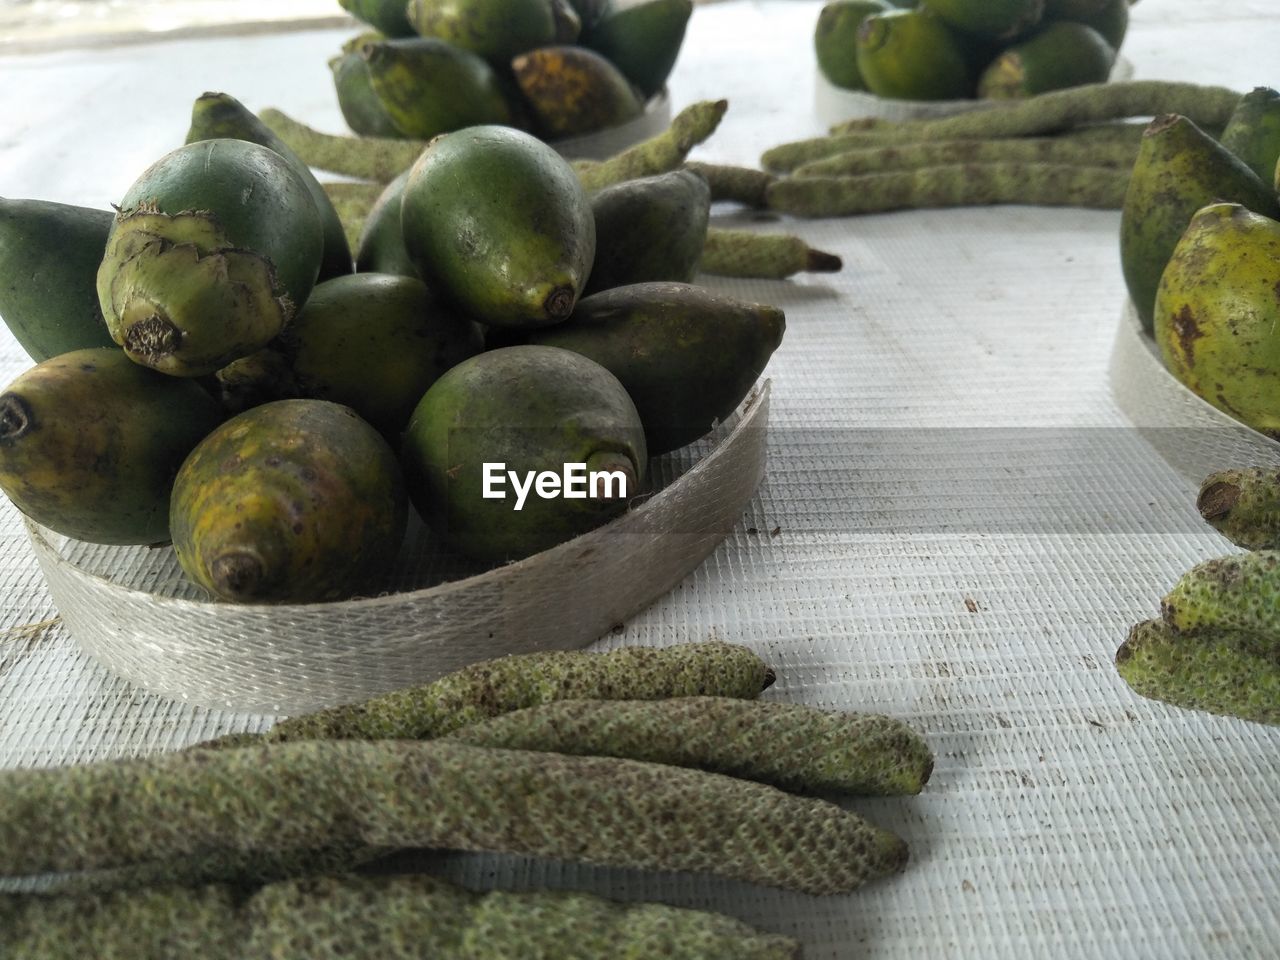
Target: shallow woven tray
x=1190 y=434
x=131 y=608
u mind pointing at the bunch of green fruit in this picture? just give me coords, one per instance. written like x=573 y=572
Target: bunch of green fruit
x=223 y=287
x=551 y=67
x=1200 y=250
x=960 y=49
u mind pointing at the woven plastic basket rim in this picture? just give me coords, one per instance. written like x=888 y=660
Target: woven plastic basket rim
x=756 y=410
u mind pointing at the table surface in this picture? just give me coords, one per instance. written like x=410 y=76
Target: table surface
x=968 y=525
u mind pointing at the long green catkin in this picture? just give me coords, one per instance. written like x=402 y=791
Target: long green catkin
x=1205 y=106
x=369 y=158
x=659 y=154
x=1243 y=506
x=735 y=184
x=787 y=157
x=1221 y=671
x=383 y=158
x=437 y=794
x=492 y=687
x=915 y=155
x=369 y=918
x=1238 y=592
x=958 y=185
x=786 y=745
x=774 y=256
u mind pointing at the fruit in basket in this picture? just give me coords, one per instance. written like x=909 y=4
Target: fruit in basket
x=495 y=29
x=217 y=115
x=389 y=17
x=572 y=91
x=1109 y=17
x=375 y=342
x=528 y=410
x=1217 y=312
x=214 y=249
x=686 y=356
x=294 y=501
x=416 y=88
x=914 y=55
x=1063 y=54
x=835 y=40
x=90 y=443
x=990 y=19
x=381 y=247
x=1253 y=132
x=649 y=229
x=497 y=221
x=49 y=256
x=1179 y=170
x=642 y=40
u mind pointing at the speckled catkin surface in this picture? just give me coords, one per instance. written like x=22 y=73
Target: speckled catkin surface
x=787 y=745
x=366 y=918
x=493 y=687
x=942 y=430
x=285 y=797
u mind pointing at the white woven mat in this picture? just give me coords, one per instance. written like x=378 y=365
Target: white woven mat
x=965 y=530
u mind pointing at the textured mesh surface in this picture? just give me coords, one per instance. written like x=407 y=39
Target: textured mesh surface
x=967 y=524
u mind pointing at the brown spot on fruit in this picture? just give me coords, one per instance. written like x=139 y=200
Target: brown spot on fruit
x=1187 y=329
x=152 y=339
x=16 y=419
x=1217 y=500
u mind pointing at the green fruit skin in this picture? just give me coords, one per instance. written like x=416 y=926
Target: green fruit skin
x=568 y=22
x=90 y=443
x=1218 y=671
x=1179 y=170
x=642 y=41
x=1111 y=19
x=258 y=201
x=375 y=343
x=652 y=228
x=1217 y=311
x=49 y=256
x=389 y=17
x=495 y=29
x=835 y=40
x=381 y=248
x=573 y=91
x=532 y=408
x=1253 y=132
x=219 y=116
x=364 y=112
x=913 y=55
x=589 y=11
x=991 y=19
x=295 y=501
x=686 y=356
x=499 y=223
x=1064 y=54
x=428 y=87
